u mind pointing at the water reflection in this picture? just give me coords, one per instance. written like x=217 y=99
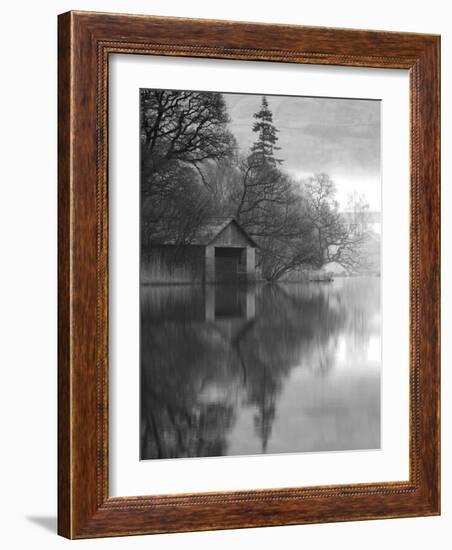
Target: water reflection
x=229 y=370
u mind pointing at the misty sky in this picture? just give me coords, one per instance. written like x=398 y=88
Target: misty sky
x=338 y=136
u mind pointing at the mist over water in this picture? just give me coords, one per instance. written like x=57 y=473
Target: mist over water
x=233 y=370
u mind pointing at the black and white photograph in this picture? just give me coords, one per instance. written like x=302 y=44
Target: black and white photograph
x=260 y=274
x=222 y=315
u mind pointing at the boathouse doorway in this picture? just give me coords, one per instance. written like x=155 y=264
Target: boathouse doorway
x=229 y=264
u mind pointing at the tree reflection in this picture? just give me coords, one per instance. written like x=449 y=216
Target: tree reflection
x=197 y=371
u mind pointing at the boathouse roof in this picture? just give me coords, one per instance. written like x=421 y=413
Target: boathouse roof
x=210 y=231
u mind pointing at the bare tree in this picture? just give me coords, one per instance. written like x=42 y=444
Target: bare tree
x=357 y=213
x=336 y=240
x=185 y=126
x=181 y=133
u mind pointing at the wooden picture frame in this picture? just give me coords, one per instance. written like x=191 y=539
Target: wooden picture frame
x=86 y=40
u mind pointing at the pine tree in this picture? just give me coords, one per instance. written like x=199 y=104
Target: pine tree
x=265 y=186
x=262 y=151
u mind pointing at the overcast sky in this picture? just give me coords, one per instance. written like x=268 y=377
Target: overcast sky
x=338 y=136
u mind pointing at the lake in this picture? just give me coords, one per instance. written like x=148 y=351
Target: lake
x=246 y=370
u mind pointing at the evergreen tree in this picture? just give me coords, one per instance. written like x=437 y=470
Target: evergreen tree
x=262 y=151
x=264 y=186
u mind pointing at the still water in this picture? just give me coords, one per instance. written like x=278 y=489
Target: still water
x=232 y=370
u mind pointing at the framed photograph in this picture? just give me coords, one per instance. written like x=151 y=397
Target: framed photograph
x=249 y=263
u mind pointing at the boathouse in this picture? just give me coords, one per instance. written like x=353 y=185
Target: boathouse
x=220 y=251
